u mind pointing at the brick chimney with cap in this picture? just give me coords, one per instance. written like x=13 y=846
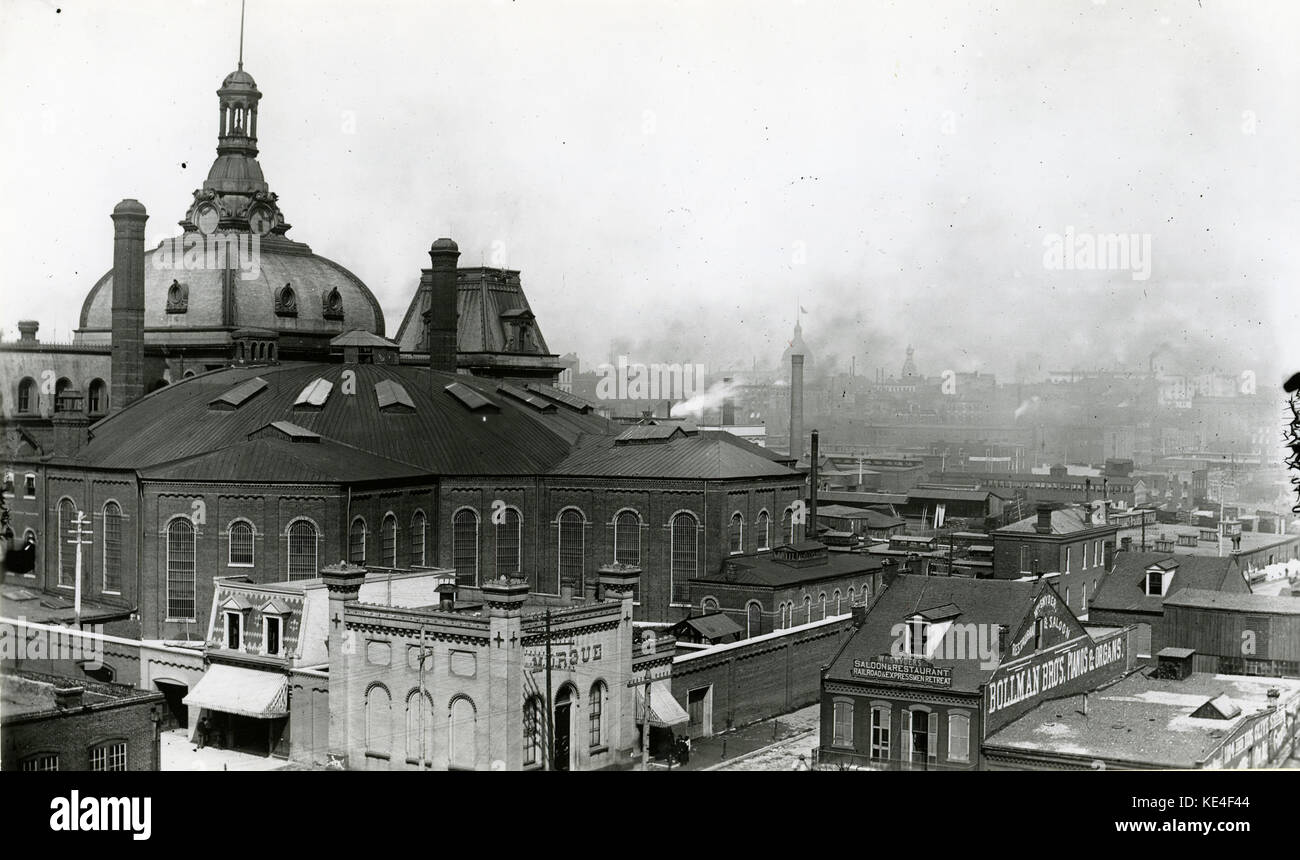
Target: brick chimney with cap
x=128 y=304
x=440 y=317
x=27 y=330
x=1044 y=524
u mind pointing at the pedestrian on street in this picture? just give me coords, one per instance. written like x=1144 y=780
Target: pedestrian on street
x=802 y=763
x=201 y=733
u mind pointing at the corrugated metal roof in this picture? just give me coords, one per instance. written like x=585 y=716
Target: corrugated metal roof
x=235 y=397
x=439 y=436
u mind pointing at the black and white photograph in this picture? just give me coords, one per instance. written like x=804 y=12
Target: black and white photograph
x=650 y=386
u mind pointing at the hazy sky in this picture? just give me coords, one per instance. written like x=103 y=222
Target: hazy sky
x=679 y=175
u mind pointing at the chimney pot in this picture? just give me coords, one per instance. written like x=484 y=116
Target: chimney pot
x=68 y=698
x=27 y=330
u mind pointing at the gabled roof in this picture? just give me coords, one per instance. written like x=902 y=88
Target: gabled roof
x=1065 y=521
x=981 y=601
x=1256 y=604
x=1124 y=588
x=715 y=625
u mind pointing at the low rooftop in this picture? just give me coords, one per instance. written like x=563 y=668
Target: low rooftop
x=1144 y=721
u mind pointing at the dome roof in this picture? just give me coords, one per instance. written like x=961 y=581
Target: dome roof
x=440 y=433
x=239 y=77
x=293 y=422
x=311 y=277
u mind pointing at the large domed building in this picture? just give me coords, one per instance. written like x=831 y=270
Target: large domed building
x=234 y=268
x=259 y=425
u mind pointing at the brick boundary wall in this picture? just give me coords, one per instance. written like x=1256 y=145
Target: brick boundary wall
x=762 y=677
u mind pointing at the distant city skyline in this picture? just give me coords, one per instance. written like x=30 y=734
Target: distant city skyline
x=900 y=176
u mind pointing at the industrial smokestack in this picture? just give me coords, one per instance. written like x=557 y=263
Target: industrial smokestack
x=440 y=318
x=728 y=405
x=812 y=490
x=128 y=304
x=796 y=406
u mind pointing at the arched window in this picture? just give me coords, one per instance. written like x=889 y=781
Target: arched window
x=180 y=570
x=462 y=727
x=112 y=547
x=357 y=541
x=240 y=536
x=533 y=730
x=1067 y=596
x=787 y=525
x=571 y=552
x=419 y=727
x=837 y=601
x=852 y=594
x=464 y=546
x=754 y=619
x=821 y=601
x=684 y=556
x=379 y=729
x=418 y=524
x=737 y=533
x=627 y=543
x=627 y=537
x=807 y=608
x=67 y=553
x=97 y=397
x=509 y=538
x=59 y=387
x=595 y=714
x=302 y=550
x=708 y=604
x=388 y=541
x=764 y=530
x=27 y=399
x=785 y=615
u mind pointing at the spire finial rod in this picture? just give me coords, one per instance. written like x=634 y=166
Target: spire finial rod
x=241 y=34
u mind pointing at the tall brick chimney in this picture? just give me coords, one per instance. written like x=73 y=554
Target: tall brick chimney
x=813 y=477
x=440 y=318
x=728 y=405
x=128 y=304
x=796 y=406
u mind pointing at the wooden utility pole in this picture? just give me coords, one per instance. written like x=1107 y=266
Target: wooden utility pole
x=80 y=534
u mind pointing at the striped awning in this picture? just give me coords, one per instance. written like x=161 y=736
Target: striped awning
x=236 y=690
x=664 y=710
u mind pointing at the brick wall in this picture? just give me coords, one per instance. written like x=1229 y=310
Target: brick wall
x=760 y=678
x=72 y=734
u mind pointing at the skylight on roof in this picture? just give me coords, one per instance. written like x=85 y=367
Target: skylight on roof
x=391 y=394
x=240 y=394
x=563 y=398
x=315 y=394
x=541 y=404
x=468 y=397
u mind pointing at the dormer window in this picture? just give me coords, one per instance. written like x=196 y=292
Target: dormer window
x=332 y=305
x=286 y=302
x=1155 y=583
x=917 y=635
x=271 y=635
x=234 y=630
